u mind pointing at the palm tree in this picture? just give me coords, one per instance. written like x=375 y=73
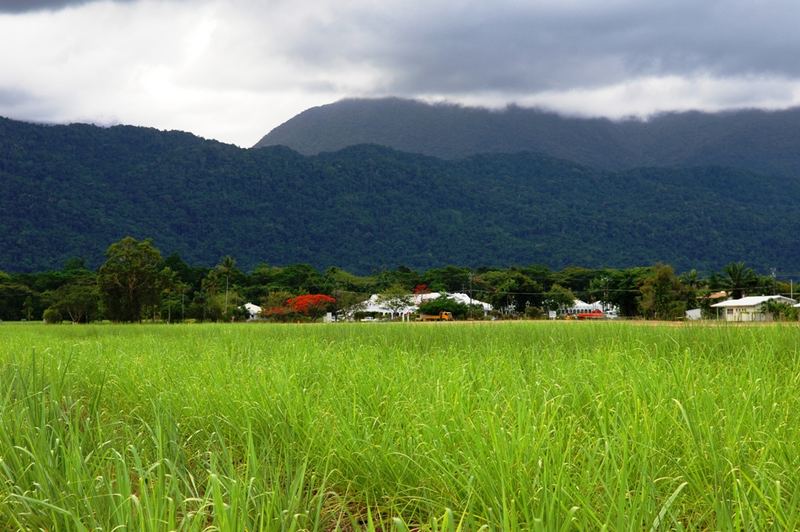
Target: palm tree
x=692 y=282
x=738 y=279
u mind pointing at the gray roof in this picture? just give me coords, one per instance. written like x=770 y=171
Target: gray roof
x=752 y=301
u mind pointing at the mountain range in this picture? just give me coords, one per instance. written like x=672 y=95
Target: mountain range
x=761 y=141
x=71 y=190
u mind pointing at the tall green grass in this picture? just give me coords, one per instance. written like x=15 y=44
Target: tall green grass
x=551 y=426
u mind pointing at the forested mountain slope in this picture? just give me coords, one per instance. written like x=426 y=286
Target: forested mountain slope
x=762 y=141
x=68 y=191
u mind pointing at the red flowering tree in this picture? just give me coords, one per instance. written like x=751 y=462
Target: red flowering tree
x=311 y=305
x=421 y=289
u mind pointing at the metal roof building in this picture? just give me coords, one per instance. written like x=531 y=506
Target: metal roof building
x=749 y=308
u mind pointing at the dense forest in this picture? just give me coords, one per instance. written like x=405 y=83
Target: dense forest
x=67 y=191
x=135 y=282
x=761 y=141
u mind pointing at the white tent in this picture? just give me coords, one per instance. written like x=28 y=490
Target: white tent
x=465 y=299
x=253 y=311
x=694 y=314
x=374 y=305
x=579 y=307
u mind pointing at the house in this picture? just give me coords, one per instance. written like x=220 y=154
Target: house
x=749 y=308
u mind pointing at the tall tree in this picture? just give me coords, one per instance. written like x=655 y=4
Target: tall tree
x=447 y=279
x=558 y=298
x=13 y=297
x=692 y=284
x=311 y=305
x=663 y=295
x=129 y=280
x=78 y=299
x=508 y=288
x=624 y=289
x=172 y=292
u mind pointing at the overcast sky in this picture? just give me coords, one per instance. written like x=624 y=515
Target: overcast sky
x=233 y=70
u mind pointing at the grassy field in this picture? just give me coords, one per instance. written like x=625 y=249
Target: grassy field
x=399 y=426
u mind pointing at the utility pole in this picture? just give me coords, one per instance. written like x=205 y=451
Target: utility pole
x=226 y=293
x=774 y=283
x=470 y=294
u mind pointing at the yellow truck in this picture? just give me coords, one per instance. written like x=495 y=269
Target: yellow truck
x=442 y=316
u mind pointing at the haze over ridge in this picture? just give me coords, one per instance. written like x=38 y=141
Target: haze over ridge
x=765 y=141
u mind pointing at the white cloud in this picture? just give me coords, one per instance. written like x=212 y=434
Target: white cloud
x=165 y=65
x=233 y=70
x=643 y=97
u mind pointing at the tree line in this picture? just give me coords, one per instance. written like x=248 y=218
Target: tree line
x=137 y=283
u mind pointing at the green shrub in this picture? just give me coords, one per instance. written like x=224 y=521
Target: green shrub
x=52 y=315
x=534 y=313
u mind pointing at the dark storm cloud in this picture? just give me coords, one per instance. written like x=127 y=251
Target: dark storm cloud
x=535 y=46
x=24 y=6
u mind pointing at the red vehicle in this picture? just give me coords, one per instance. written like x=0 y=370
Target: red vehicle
x=593 y=315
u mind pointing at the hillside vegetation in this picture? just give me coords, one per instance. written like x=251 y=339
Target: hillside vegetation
x=764 y=141
x=68 y=191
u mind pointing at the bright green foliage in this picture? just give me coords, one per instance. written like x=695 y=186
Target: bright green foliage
x=398 y=426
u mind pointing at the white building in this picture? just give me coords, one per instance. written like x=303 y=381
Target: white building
x=376 y=305
x=749 y=308
x=580 y=307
